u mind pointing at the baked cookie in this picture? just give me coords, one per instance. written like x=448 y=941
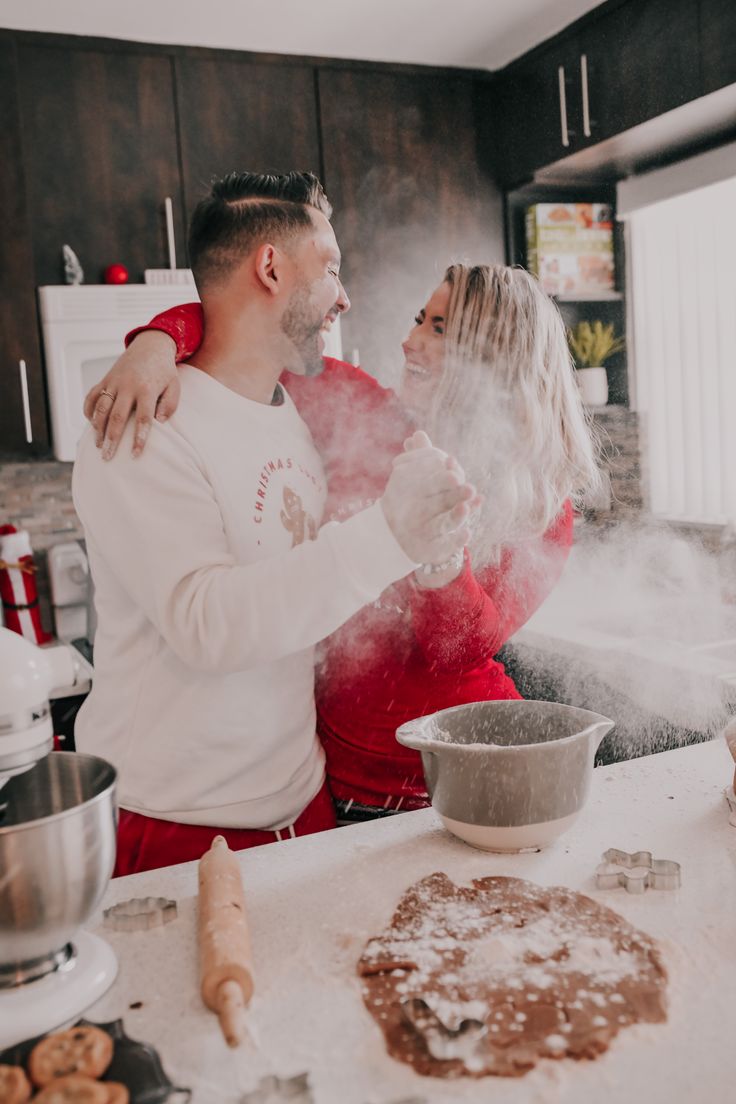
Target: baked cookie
x=75 y=1088
x=85 y=1050
x=15 y=1088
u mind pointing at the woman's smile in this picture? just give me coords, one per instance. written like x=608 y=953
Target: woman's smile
x=424 y=353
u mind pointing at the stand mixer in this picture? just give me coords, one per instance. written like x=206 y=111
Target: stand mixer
x=57 y=851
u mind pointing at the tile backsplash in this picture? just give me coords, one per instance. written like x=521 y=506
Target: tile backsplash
x=620 y=433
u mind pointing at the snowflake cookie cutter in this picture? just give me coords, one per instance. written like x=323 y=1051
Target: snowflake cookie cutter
x=636 y=872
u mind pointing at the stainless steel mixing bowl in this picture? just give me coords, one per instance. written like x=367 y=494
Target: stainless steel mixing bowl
x=57 y=852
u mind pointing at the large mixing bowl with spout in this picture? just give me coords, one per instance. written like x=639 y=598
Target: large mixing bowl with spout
x=57 y=852
x=507 y=775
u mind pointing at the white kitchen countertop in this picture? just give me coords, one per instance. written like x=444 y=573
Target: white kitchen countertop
x=314 y=901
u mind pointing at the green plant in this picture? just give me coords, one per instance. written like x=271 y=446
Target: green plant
x=591 y=345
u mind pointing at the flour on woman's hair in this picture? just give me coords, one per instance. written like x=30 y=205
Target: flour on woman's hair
x=509 y=408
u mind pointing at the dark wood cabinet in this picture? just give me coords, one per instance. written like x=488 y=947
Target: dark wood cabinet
x=402 y=173
x=717 y=43
x=241 y=115
x=21 y=416
x=539 y=110
x=638 y=61
x=100 y=151
x=622 y=65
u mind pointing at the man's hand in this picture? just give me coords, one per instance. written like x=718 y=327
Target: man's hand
x=426 y=503
x=143 y=379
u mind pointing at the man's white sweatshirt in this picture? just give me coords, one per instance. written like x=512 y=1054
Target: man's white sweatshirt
x=210 y=597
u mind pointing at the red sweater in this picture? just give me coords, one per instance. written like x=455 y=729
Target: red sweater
x=415 y=650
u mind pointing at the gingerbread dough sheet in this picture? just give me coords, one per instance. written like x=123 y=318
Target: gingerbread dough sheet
x=540 y=972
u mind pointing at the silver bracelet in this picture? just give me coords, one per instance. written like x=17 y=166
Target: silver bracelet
x=434 y=569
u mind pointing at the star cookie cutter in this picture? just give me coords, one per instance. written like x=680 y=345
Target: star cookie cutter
x=636 y=872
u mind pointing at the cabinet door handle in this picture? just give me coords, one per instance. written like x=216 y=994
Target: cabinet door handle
x=26 y=400
x=563 y=106
x=170 y=239
x=586 y=102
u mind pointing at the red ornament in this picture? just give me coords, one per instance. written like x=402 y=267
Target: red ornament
x=115 y=274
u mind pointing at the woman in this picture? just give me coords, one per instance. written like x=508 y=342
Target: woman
x=487 y=373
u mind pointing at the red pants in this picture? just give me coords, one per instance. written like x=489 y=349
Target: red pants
x=145 y=843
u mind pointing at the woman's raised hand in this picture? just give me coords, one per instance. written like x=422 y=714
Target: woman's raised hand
x=444 y=573
x=426 y=503
x=143 y=380
x=420 y=440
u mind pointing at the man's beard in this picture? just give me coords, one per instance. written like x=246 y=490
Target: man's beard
x=299 y=325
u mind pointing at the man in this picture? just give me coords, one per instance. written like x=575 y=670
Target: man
x=210 y=590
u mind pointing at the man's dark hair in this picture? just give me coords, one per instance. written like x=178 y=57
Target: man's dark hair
x=242 y=211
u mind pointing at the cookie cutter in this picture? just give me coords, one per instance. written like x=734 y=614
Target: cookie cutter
x=444 y=1042
x=140 y=914
x=636 y=872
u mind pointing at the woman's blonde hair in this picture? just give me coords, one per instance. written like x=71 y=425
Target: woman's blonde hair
x=508 y=406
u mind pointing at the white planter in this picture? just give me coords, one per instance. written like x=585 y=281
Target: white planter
x=593 y=384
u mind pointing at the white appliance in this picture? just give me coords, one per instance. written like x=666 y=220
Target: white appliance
x=83 y=331
x=72 y=593
x=72 y=601
x=57 y=851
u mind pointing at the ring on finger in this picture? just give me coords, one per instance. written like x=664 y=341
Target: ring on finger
x=108 y=394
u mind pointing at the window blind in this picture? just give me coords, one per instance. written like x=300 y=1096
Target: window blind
x=682 y=256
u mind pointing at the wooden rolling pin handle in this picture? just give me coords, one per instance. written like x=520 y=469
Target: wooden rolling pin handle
x=224 y=945
x=231 y=1012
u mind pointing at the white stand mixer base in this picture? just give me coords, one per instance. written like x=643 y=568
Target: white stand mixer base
x=59 y=998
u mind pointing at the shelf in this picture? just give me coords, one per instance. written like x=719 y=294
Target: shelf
x=593 y=297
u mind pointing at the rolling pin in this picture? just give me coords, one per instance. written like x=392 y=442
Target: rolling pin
x=224 y=942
